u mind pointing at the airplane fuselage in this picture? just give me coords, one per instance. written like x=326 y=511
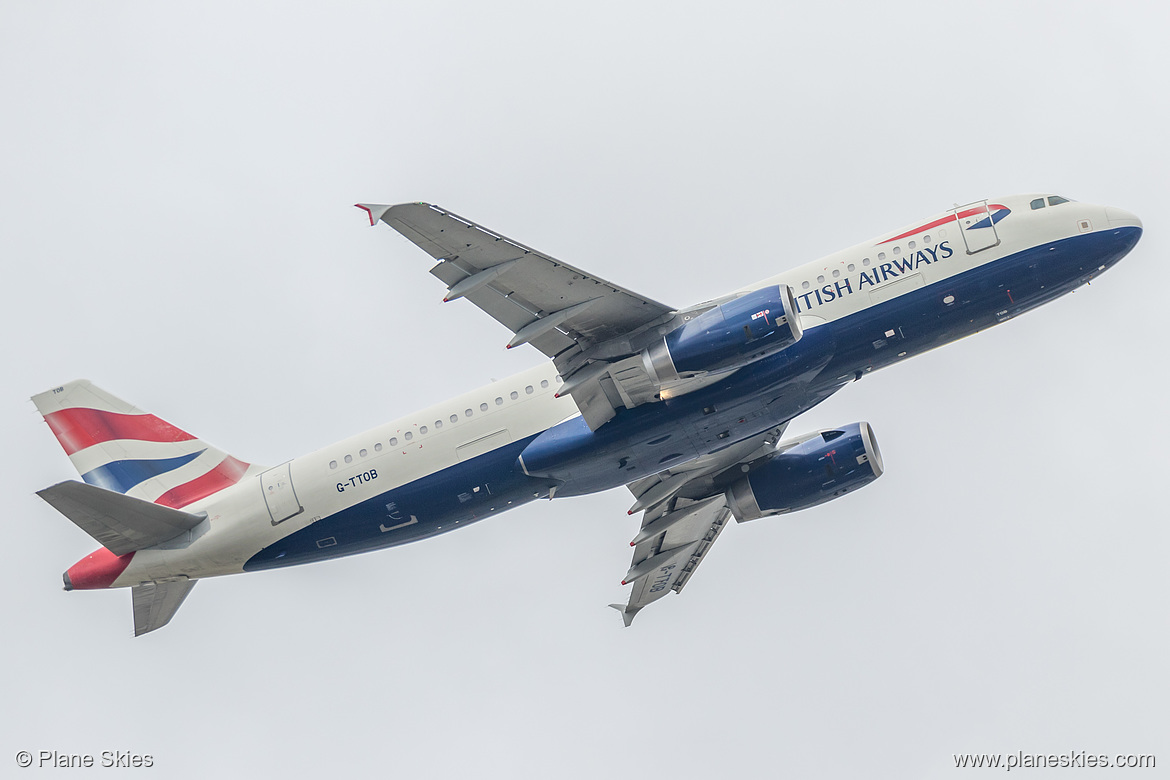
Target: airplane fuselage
x=513 y=441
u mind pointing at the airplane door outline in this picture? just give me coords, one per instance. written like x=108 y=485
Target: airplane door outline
x=981 y=238
x=279 y=495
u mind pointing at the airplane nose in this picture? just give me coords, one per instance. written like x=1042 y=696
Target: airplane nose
x=1120 y=217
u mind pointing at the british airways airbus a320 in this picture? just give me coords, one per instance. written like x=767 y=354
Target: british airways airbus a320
x=686 y=407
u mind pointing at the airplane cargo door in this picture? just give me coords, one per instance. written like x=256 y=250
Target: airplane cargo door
x=279 y=494
x=977 y=226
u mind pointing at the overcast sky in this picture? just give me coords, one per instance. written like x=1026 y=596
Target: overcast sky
x=176 y=225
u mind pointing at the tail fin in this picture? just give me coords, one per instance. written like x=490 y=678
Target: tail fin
x=117 y=446
x=155 y=603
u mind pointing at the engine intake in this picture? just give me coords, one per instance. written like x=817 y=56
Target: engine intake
x=825 y=467
x=732 y=334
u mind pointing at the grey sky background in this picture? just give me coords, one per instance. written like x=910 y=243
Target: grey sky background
x=176 y=225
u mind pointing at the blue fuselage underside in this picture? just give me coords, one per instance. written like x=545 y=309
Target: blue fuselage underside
x=763 y=395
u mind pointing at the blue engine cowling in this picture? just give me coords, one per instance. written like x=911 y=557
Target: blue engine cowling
x=829 y=465
x=732 y=334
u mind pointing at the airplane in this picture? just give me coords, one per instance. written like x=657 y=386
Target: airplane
x=688 y=408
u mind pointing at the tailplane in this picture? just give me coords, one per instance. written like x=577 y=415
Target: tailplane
x=118 y=447
x=123 y=524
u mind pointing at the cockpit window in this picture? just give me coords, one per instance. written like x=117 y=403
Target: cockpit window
x=1056 y=200
x=1038 y=204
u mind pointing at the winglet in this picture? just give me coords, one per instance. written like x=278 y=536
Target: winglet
x=627 y=613
x=374 y=210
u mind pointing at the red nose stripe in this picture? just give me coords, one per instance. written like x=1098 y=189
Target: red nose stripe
x=991 y=209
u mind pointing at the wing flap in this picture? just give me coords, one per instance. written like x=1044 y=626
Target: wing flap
x=120 y=523
x=672 y=556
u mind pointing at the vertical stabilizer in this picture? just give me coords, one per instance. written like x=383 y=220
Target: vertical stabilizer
x=116 y=446
x=155 y=603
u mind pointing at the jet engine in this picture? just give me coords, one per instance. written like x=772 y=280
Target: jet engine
x=829 y=465
x=732 y=334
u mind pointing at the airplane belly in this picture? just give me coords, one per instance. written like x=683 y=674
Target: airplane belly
x=443 y=501
x=650 y=438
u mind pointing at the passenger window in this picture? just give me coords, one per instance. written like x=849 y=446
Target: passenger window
x=499 y=401
x=483 y=407
x=912 y=245
x=852 y=268
x=1038 y=204
x=467 y=413
x=897 y=250
x=423 y=430
x=393 y=441
x=378 y=447
x=528 y=390
x=1056 y=200
x=349 y=458
x=408 y=435
x=821 y=279
x=543 y=384
x=438 y=424
x=513 y=395
x=804 y=285
x=881 y=256
x=926 y=239
x=865 y=261
x=332 y=464
x=455 y=417
x=836 y=273
x=363 y=452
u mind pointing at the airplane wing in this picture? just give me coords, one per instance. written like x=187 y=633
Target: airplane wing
x=579 y=320
x=685 y=509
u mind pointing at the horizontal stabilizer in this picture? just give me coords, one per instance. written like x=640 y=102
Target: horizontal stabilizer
x=155 y=603
x=120 y=523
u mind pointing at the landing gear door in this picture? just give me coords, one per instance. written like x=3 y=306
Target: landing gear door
x=975 y=223
x=279 y=494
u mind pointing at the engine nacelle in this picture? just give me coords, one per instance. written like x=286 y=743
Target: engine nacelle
x=732 y=334
x=825 y=467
